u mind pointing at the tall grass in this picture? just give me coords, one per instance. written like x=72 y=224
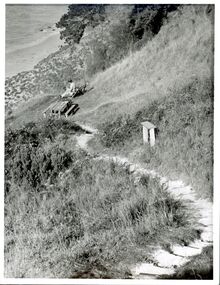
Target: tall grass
x=181 y=52
x=94 y=221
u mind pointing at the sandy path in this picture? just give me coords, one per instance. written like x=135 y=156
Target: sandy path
x=165 y=263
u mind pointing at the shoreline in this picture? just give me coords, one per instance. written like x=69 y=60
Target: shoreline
x=24 y=59
x=38 y=41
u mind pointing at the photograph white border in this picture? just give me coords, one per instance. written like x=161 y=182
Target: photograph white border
x=216 y=152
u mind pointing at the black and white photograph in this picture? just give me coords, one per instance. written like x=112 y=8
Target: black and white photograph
x=109 y=142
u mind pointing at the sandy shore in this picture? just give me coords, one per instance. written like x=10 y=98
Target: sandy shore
x=25 y=59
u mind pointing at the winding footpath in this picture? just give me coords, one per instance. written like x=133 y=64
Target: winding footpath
x=165 y=262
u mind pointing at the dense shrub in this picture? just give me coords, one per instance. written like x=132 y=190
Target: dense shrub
x=74 y=22
x=26 y=159
x=34 y=165
x=36 y=133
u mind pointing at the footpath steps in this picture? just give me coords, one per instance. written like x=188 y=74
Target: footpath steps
x=168 y=260
x=149 y=271
x=192 y=249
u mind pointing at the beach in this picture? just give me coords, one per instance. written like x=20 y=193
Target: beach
x=26 y=58
x=31 y=35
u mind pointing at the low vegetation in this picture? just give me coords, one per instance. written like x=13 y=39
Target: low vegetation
x=90 y=218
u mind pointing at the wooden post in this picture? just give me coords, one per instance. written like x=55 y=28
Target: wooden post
x=152 y=137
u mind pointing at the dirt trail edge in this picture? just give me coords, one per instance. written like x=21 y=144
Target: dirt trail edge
x=165 y=263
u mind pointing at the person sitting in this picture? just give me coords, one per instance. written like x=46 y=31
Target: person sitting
x=72 y=86
x=70 y=89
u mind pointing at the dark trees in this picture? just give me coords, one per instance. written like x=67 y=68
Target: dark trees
x=74 y=22
x=107 y=33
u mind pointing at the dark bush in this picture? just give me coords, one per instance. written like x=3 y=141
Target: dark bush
x=33 y=165
x=26 y=160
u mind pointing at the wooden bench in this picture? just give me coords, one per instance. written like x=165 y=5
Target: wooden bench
x=72 y=109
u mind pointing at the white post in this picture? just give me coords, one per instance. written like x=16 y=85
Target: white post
x=152 y=137
x=145 y=135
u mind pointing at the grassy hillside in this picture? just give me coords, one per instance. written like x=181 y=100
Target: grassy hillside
x=184 y=144
x=168 y=82
x=181 y=52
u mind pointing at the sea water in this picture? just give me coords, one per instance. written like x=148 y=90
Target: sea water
x=28 y=26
